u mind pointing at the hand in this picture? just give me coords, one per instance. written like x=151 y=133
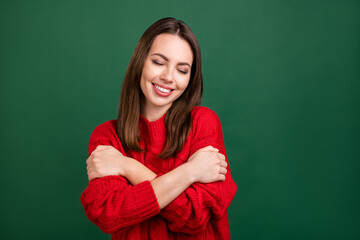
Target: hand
x=105 y=161
x=208 y=165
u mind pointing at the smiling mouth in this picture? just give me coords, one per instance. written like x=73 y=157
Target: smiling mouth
x=164 y=90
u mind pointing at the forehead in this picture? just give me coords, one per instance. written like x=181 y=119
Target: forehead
x=173 y=47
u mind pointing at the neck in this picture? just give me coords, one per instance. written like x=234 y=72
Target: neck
x=153 y=113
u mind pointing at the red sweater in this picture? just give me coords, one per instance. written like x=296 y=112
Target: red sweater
x=132 y=212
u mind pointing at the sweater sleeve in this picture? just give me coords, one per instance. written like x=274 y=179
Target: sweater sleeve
x=191 y=211
x=111 y=202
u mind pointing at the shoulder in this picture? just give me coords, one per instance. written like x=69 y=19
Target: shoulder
x=206 y=129
x=205 y=122
x=204 y=115
x=104 y=134
x=107 y=128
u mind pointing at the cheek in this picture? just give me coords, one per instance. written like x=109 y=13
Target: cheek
x=146 y=77
x=150 y=72
x=142 y=83
x=184 y=83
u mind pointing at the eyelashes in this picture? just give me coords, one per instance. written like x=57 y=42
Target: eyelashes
x=157 y=63
x=161 y=64
x=183 y=72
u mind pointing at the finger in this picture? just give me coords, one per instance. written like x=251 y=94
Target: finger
x=91 y=167
x=90 y=170
x=223 y=171
x=88 y=160
x=224 y=164
x=100 y=147
x=221 y=156
x=91 y=176
x=88 y=167
x=213 y=148
x=210 y=148
x=221 y=177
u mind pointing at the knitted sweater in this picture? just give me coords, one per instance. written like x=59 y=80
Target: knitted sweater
x=132 y=212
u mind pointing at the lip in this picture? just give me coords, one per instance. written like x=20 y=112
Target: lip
x=163 y=86
x=162 y=93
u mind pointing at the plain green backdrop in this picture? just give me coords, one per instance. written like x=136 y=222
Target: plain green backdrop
x=283 y=76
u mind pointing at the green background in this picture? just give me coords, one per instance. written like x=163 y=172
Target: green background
x=283 y=76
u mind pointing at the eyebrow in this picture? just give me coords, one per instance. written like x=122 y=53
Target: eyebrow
x=166 y=59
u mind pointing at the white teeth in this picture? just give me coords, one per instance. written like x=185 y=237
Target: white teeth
x=162 y=89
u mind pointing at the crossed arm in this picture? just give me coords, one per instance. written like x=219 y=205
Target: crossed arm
x=205 y=166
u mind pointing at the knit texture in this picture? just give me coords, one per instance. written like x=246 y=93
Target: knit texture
x=132 y=212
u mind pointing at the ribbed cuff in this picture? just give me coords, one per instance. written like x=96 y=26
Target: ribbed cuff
x=146 y=200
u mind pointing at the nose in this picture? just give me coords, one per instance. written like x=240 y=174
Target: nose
x=167 y=75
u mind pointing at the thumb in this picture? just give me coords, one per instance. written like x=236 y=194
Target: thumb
x=100 y=147
x=210 y=149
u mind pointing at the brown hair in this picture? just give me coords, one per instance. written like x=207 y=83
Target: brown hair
x=178 y=117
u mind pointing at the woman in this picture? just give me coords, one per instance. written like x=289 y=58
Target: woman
x=160 y=170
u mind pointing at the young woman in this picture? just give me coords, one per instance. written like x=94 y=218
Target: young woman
x=160 y=170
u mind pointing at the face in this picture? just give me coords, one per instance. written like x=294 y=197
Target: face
x=166 y=74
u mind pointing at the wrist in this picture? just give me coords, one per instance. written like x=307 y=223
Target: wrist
x=190 y=172
x=135 y=172
x=126 y=167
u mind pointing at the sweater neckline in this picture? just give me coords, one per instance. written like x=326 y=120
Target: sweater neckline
x=153 y=134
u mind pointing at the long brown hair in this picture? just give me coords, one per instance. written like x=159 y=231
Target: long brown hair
x=178 y=117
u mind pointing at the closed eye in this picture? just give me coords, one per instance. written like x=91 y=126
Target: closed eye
x=157 y=62
x=182 y=71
